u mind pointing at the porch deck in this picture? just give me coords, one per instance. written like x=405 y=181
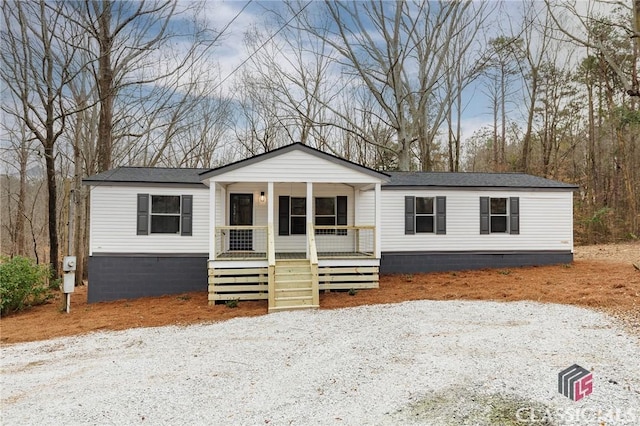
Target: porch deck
x=291 y=279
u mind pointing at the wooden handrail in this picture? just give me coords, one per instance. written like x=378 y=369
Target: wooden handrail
x=271 y=269
x=271 y=246
x=313 y=259
x=349 y=227
x=311 y=239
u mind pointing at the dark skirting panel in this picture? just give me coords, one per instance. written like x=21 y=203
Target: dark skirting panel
x=414 y=262
x=113 y=277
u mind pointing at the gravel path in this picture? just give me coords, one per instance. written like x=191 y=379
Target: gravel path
x=419 y=362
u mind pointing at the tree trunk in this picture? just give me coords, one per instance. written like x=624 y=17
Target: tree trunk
x=503 y=118
x=78 y=199
x=19 y=247
x=105 y=89
x=526 y=144
x=495 y=133
x=54 y=254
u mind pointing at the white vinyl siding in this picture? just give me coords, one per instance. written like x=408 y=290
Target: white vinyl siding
x=296 y=166
x=114 y=218
x=546 y=222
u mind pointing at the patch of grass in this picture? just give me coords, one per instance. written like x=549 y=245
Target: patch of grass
x=353 y=292
x=567 y=265
x=233 y=303
x=445 y=408
x=407 y=277
x=504 y=272
x=184 y=297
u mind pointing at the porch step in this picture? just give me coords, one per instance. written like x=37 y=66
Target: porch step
x=299 y=270
x=292 y=308
x=293 y=282
x=292 y=289
x=289 y=298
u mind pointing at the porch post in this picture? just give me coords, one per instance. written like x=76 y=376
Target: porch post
x=270 y=205
x=309 y=212
x=356 y=206
x=378 y=220
x=212 y=220
x=223 y=204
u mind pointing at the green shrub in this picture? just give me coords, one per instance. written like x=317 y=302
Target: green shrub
x=233 y=303
x=23 y=283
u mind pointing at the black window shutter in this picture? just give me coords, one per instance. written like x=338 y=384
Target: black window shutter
x=187 y=215
x=441 y=215
x=341 y=214
x=283 y=215
x=514 y=215
x=484 y=215
x=341 y=202
x=143 y=214
x=409 y=215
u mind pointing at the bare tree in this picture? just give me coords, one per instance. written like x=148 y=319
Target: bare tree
x=36 y=58
x=466 y=61
x=501 y=73
x=397 y=52
x=564 y=13
x=17 y=158
x=129 y=44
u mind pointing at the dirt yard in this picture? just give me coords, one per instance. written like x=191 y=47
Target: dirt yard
x=601 y=277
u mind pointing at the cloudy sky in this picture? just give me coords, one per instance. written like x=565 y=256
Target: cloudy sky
x=231 y=53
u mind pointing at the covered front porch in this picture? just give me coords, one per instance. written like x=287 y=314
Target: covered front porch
x=289 y=260
x=289 y=223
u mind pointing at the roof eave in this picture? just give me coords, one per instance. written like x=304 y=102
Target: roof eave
x=482 y=188
x=90 y=182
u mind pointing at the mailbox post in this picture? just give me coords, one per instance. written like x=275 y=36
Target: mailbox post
x=69 y=279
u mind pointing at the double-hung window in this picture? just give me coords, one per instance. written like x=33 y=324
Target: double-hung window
x=298 y=216
x=292 y=215
x=331 y=211
x=425 y=215
x=499 y=215
x=164 y=214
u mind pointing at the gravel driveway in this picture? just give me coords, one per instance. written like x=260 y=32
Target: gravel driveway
x=422 y=362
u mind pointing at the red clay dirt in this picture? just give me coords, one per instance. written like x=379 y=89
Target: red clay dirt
x=611 y=284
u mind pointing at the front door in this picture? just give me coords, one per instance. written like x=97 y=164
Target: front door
x=241 y=214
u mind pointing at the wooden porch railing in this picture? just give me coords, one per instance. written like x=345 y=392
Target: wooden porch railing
x=313 y=260
x=345 y=240
x=241 y=242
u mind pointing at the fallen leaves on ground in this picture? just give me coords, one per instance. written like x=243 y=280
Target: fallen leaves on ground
x=605 y=285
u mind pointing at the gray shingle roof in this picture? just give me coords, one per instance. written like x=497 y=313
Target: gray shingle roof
x=148 y=175
x=161 y=175
x=472 y=180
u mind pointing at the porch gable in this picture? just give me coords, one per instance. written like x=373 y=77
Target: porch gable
x=295 y=163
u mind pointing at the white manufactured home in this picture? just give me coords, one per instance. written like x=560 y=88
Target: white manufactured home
x=288 y=223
